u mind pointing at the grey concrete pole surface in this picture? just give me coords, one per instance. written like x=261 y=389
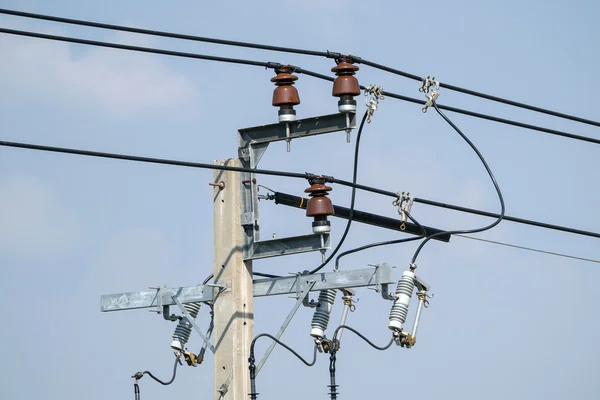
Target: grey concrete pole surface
x=233 y=307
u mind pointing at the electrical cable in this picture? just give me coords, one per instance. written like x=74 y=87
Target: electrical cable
x=330 y=179
x=495 y=119
x=140 y=49
x=377 y=244
x=530 y=249
x=352 y=197
x=492 y=177
x=479 y=94
x=252 y=359
x=363 y=337
x=285 y=49
x=296 y=69
x=138 y=375
x=150 y=32
x=389 y=242
x=333 y=393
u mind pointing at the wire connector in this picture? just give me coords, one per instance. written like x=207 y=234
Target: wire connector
x=430 y=88
x=373 y=94
x=404 y=203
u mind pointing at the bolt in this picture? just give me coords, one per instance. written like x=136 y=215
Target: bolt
x=220 y=185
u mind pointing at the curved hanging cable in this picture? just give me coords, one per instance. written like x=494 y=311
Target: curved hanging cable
x=252 y=359
x=492 y=177
x=352 y=198
x=385 y=243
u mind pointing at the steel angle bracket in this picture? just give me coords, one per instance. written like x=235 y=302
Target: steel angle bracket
x=288 y=245
x=156 y=297
x=193 y=322
x=252 y=145
x=304 y=287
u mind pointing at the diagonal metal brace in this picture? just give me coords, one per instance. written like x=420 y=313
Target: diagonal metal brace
x=305 y=289
x=193 y=322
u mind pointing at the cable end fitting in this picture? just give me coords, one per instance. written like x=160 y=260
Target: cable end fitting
x=333 y=54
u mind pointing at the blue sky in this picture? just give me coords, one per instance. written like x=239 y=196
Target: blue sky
x=503 y=322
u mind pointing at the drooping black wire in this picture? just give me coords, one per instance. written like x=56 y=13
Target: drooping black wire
x=331 y=179
x=285 y=49
x=492 y=177
x=363 y=337
x=386 y=243
x=252 y=359
x=352 y=197
x=333 y=393
x=139 y=375
x=296 y=69
x=285 y=346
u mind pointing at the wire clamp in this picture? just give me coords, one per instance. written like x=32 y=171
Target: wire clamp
x=350 y=302
x=373 y=94
x=430 y=88
x=404 y=203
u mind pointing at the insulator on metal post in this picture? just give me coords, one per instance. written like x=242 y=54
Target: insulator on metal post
x=285 y=95
x=184 y=327
x=319 y=206
x=346 y=85
x=321 y=317
x=404 y=291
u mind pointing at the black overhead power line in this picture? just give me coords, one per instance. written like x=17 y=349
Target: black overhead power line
x=286 y=49
x=329 y=179
x=140 y=49
x=152 y=32
x=479 y=94
x=296 y=69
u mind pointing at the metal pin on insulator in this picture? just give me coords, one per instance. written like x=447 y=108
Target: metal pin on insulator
x=184 y=327
x=319 y=206
x=404 y=291
x=285 y=95
x=321 y=316
x=345 y=85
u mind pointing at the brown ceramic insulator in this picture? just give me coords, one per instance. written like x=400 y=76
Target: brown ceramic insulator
x=319 y=205
x=346 y=83
x=285 y=94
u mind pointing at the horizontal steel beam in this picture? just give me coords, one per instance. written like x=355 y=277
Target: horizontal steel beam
x=155 y=298
x=381 y=275
x=299 y=128
x=288 y=245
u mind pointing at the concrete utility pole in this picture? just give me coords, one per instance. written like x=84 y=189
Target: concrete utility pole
x=234 y=306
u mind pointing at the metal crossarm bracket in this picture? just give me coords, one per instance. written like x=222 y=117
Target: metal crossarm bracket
x=305 y=286
x=193 y=322
x=252 y=145
x=288 y=245
x=152 y=298
x=262 y=287
x=299 y=128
